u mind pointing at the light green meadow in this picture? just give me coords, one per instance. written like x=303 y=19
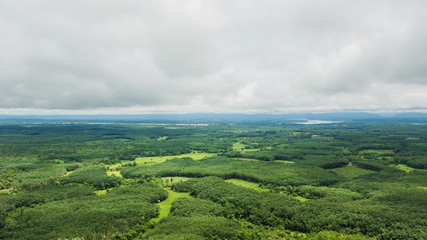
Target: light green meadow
x=160 y=159
x=247 y=184
x=165 y=206
x=403 y=167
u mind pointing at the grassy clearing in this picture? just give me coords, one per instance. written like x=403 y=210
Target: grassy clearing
x=68 y=173
x=162 y=138
x=6 y=191
x=252 y=150
x=248 y=159
x=301 y=199
x=256 y=187
x=238 y=146
x=412 y=138
x=403 y=167
x=171 y=180
x=246 y=184
x=377 y=151
x=160 y=159
x=284 y=161
x=352 y=171
x=114 y=173
x=318 y=137
x=154 y=160
x=257 y=160
x=422 y=188
x=101 y=192
x=165 y=206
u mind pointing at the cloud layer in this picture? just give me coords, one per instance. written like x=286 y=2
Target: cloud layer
x=212 y=56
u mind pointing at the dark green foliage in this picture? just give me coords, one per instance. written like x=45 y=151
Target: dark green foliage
x=416 y=177
x=327 y=157
x=259 y=208
x=329 y=235
x=403 y=196
x=200 y=227
x=387 y=175
x=6 y=177
x=6 y=204
x=338 y=210
x=72 y=167
x=47 y=194
x=23 y=165
x=363 y=216
x=2 y=221
x=417 y=163
x=334 y=164
x=149 y=192
x=90 y=217
x=94 y=176
x=190 y=207
x=45 y=174
x=370 y=165
x=312 y=192
x=173 y=236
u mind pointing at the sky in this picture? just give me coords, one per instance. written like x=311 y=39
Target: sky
x=205 y=56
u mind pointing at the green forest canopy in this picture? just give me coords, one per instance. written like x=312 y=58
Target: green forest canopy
x=352 y=180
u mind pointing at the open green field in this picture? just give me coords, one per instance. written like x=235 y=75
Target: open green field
x=301 y=199
x=165 y=206
x=172 y=180
x=377 y=151
x=238 y=146
x=256 y=187
x=114 y=173
x=249 y=159
x=160 y=159
x=284 y=161
x=404 y=167
x=101 y=192
x=247 y=184
x=251 y=150
x=6 y=191
x=256 y=160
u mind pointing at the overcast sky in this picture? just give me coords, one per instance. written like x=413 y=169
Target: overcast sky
x=212 y=56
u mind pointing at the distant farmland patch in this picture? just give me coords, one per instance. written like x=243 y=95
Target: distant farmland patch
x=247 y=184
x=377 y=151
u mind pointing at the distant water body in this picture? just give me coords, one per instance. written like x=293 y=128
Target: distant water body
x=317 y=122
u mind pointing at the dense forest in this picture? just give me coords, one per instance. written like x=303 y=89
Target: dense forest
x=272 y=179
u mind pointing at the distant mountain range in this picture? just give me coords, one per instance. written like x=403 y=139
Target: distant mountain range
x=213 y=116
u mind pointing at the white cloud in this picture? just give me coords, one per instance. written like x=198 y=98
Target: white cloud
x=220 y=56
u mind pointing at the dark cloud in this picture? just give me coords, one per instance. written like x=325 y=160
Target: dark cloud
x=223 y=56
